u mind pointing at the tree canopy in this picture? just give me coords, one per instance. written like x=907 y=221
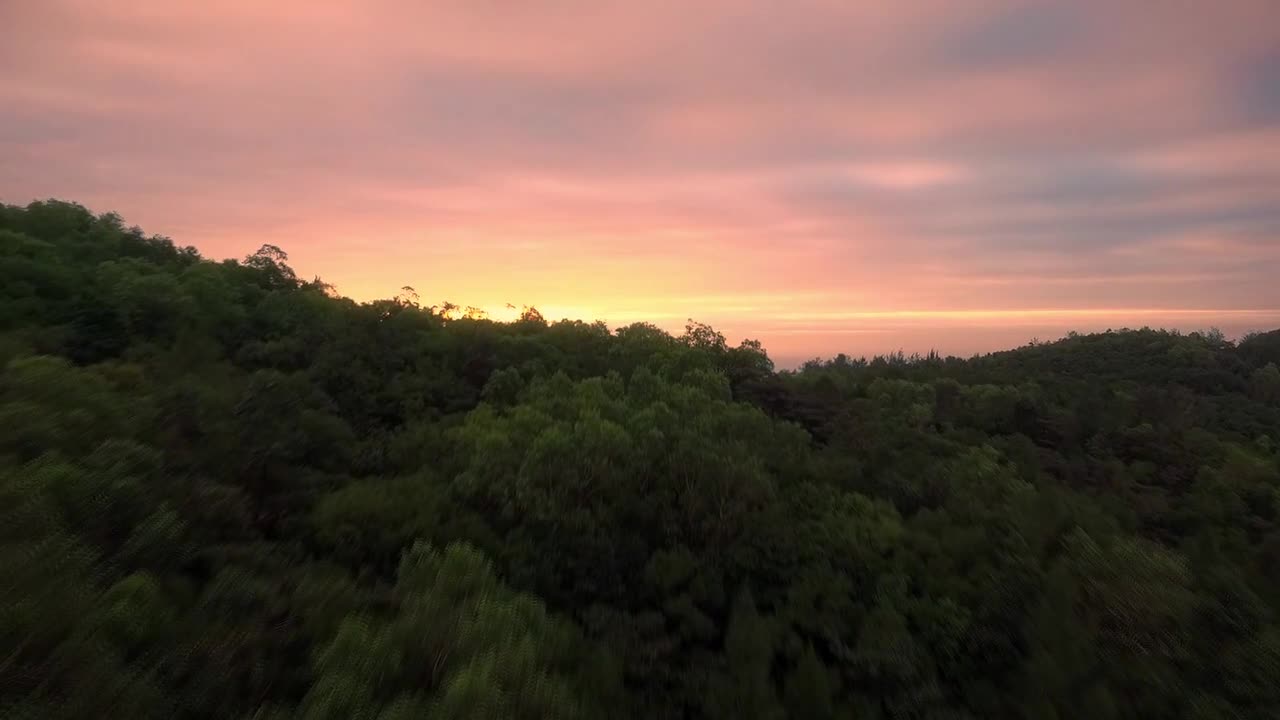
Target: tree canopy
x=229 y=492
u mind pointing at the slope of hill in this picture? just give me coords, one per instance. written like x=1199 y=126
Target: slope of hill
x=225 y=492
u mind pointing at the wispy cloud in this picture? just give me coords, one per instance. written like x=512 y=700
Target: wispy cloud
x=824 y=160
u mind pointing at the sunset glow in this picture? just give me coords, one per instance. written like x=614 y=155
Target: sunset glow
x=823 y=176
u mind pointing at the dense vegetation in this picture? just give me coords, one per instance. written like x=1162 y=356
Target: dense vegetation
x=226 y=492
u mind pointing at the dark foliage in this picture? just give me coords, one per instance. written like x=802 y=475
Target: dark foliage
x=228 y=492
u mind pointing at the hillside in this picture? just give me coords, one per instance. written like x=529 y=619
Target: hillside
x=227 y=492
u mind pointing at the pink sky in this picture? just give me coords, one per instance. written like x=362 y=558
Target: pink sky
x=824 y=176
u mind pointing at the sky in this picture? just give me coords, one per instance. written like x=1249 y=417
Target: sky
x=824 y=176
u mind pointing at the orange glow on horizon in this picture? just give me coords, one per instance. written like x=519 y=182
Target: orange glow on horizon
x=853 y=177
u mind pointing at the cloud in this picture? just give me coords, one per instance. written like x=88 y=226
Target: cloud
x=625 y=158
x=1020 y=34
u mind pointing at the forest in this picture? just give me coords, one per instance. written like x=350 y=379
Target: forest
x=228 y=492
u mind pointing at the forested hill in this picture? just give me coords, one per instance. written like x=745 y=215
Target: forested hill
x=227 y=493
